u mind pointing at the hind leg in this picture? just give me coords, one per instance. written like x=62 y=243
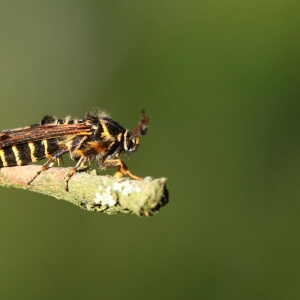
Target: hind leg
x=51 y=161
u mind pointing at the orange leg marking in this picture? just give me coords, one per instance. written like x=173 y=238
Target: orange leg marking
x=122 y=168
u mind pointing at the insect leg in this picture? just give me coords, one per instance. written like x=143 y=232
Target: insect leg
x=51 y=161
x=122 y=168
x=73 y=171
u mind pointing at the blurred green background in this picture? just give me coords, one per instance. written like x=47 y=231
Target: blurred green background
x=220 y=82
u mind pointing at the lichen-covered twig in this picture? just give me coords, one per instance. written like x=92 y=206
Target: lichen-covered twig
x=90 y=191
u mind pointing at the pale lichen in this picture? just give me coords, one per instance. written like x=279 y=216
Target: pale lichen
x=126 y=188
x=105 y=197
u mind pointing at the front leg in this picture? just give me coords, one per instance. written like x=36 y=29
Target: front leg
x=122 y=168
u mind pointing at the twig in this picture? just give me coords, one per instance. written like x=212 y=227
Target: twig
x=91 y=192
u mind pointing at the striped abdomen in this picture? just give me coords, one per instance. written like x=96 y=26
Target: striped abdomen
x=23 y=154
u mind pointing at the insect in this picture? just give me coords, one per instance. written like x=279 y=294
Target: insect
x=96 y=136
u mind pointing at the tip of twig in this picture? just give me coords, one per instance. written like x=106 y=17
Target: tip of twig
x=92 y=192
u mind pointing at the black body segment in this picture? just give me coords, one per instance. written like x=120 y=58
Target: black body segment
x=38 y=152
x=24 y=154
x=50 y=146
x=8 y=157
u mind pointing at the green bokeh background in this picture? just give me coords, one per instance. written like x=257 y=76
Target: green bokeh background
x=220 y=81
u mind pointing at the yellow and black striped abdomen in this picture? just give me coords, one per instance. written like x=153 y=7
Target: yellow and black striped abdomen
x=23 y=154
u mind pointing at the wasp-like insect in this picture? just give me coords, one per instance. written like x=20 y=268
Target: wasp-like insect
x=96 y=136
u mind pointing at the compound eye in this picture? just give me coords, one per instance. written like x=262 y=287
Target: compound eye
x=132 y=145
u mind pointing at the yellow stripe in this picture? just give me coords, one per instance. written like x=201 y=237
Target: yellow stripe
x=32 y=149
x=119 y=137
x=16 y=153
x=45 y=142
x=125 y=140
x=2 y=156
x=105 y=133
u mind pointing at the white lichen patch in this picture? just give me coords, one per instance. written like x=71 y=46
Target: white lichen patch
x=105 y=197
x=126 y=188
